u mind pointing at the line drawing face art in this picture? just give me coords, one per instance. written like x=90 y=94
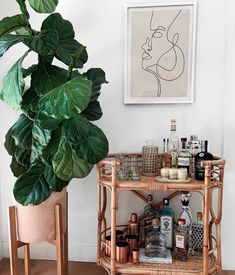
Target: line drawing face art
x=162 y=57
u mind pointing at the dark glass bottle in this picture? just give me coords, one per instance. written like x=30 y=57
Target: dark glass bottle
x=203 y=155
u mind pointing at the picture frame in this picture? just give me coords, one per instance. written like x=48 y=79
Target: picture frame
x=160 y=53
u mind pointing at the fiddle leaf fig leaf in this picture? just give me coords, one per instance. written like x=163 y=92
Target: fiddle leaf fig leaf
x=13 y=85
x=55 y=183
x=10 y=24
x=23 y=7
x=93 y=111
x=63 y=27
x=22 y=156
x=50 y=151
x=68 y=165
x=29 y=104
x=74 y=130
x=9 y=143
x=44 y=43
x=95 y=147
x=7 y=41
x=97 y=76
x=65 y=101
x=32 y=187
x=17 y=168
x=47 y=77
x=46 y=122
x=43 y=6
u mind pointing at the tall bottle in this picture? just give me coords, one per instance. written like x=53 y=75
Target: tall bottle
x=203 y=155
x=181 y=241
x=185 y=212
x=197 y=236
x=184 y=157
x=156 y=242
x=173 y=143
x=167 y=222
x=193 y=147
x=150 y=212
x=166 y=158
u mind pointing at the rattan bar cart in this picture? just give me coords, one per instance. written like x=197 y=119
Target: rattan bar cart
x=211 y=260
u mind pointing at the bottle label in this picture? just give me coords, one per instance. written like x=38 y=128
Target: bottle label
x=179 y=241
x=167 y=229
x=183 y=161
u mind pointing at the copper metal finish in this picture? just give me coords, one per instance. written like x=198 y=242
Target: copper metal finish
x=122 y=252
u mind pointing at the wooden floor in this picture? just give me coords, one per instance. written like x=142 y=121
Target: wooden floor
x=39 y=267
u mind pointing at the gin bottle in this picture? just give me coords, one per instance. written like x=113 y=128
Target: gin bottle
x=173 y=143
x=197 y=236
x=156 y=242
x=150 y=213
x=167 y=222
x=185 y=212
x=184 y=157
x=181 y=241
x=166 y=157
x=203 y=155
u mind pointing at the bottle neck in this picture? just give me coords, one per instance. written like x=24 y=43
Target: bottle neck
x=165 y=146
x=204 y=146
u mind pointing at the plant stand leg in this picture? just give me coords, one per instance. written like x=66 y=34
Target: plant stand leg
x=27 y=259
x=65 y=241
x=59 y=240
x=13 y=241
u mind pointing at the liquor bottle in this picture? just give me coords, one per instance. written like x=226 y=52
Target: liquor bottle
x=181 y=241
x=133 y=225
x=185 y=212
x=203 y=155
x=150 y=212
x=197 y=236
x=167 y=222
x=166 y=157
x=193 y=147
x=173 y=143
x=156 y=242
x=184 y=157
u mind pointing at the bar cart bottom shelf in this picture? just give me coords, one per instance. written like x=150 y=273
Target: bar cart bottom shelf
x=191 y=267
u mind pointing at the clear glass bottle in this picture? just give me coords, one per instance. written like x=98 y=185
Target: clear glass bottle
x=173 y=143
x=167 y=223
x=193 y=147
x=181 y=241
x=203 y=155
x=197 y=236
x=184 y=157
x=185 y=212
x=156 y=242
x=150 y=212
x=166 y=157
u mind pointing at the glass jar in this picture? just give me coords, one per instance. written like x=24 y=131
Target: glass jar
x=150 y=159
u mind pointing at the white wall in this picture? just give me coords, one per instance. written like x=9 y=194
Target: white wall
x=100 y=26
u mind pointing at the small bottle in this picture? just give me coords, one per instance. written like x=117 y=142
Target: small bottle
x=193 y=147
x=185 y=212
x=203 y=155
x=173 y=144
x=166 y=157
x=184 y=157
x=150 y=212
x=181 y=241
x=197 y=236
x=167 y=222
x=156 y=242
x=133 y=225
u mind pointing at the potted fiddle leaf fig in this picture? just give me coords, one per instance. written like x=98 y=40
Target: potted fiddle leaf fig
x=54 y=139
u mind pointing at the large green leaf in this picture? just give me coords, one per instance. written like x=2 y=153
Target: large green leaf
x=97 y=76
x=70 y=51
x=43 y=6
x=46 y=122
x=23 y=7
x=76 y=129
x=44 y=43
x=29 y=104
x=17 y=168
x=63 y=27
x=8 y=40
x=55 y=183
x=51 y=149
x=93 y=111
x=10 y=24
x=9 y=143
x=32 y=187
x=21 y=131
x=68 y=165
x=13 y=85
x=95 y=147
x=67 y=100
x=47 y=77
x=22 y=155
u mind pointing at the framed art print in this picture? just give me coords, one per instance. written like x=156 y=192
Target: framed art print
x=160 y=49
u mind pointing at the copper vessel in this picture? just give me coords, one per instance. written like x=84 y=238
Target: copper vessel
x=132 y=240
x=135 y=256
x=122 y=252
x=119 y=237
